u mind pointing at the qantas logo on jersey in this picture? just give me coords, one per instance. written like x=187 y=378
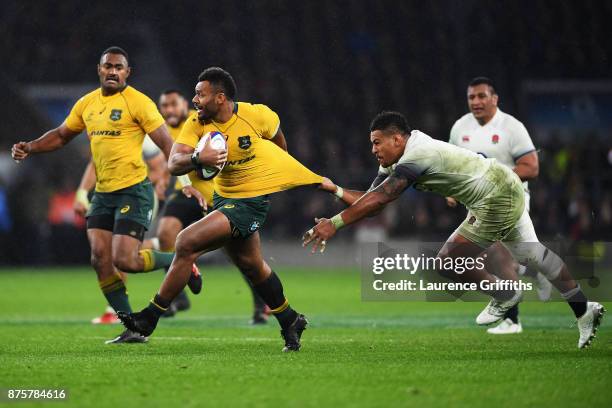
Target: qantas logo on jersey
x=465 y=139
x=235 y=162
x=495 y=139
x=105 y=133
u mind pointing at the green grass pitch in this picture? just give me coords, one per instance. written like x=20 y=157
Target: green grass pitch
x=354 y=353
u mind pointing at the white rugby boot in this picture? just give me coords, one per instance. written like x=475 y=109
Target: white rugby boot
x=496 y=309
x=507 y=326
x=588 y=323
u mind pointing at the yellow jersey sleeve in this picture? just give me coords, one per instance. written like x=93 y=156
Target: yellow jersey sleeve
x=267 y=122
x=191 y=132
x=75 y=121
x=147 y=115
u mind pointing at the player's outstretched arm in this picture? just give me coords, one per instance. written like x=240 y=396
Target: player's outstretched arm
x=346 y=195
x=370 y=203
x=50 y=141
x=374 y=200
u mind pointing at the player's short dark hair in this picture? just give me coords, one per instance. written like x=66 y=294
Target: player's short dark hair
x=220 y=78
x=481 y=80
x=173 y=91
x=115 y=50
x=391 y=122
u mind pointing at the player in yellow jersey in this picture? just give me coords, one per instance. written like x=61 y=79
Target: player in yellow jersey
x=159 y=176
x=257 y=165
x=189 y=201
x=116 y=118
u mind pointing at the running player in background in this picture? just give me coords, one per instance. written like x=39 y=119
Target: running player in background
x=495 y=134
x=158 y=174
x=257 y=166
x=492 y=193
x=116 y=118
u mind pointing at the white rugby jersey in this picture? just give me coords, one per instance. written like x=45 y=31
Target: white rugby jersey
x=503 y=138
x=447 y=170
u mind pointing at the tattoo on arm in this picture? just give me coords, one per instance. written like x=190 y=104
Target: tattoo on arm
x=392 y=187
x=372 y=202
x=384 y=190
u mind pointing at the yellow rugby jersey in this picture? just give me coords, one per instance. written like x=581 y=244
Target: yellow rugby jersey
x=255 y=166
x=205 y=187
x=116 y=126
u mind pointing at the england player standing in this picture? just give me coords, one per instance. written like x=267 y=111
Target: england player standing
x=495 y=134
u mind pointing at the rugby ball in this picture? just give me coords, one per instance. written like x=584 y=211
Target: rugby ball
x=217 y=141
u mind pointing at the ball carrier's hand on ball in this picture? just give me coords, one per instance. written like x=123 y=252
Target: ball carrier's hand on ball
x=319 y=234
x=207 y=155
x=212 y=156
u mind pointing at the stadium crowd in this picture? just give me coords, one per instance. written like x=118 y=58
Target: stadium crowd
x=327 y=68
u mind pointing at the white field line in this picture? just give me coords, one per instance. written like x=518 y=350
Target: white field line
x=317 y=339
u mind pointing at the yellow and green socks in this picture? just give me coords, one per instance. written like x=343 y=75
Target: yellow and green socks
x=153 y=259
x=115 y=293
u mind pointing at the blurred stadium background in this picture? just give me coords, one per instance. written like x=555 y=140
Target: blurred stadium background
x=326 y=67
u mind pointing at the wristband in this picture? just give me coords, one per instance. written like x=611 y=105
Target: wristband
x=195 y=158
x=184 y=180
x=337 y=221
x=81 y=197
x=339 y=192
